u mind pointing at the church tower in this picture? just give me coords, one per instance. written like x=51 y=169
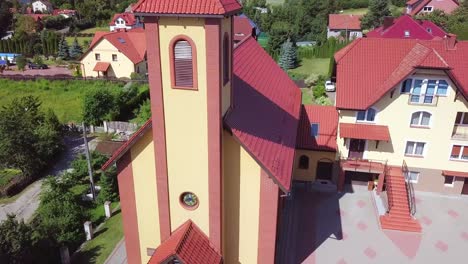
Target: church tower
x=189 y=52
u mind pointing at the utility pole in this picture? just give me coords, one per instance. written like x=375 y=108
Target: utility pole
x=88 y=159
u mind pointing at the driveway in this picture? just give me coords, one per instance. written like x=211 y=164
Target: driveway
x=327 y=227
x=25 y=206
x=53 y=70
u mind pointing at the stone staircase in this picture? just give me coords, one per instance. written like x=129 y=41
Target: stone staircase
x=399 y=217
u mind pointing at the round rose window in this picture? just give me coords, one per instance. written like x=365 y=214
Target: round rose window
x=189 y=200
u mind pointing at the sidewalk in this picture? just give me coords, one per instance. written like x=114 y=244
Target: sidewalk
x=118 y=255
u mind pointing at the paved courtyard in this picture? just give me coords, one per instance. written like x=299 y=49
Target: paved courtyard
x=327 y=227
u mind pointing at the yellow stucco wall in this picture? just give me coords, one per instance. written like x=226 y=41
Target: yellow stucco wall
x=226 y=90
x=186 y=126
x=314 y=157
x=123 y=67
x=396 y=114
x=241 y=189
x=146 y=195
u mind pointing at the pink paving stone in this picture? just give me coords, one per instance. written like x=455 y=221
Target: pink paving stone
x=464 y=235
x=407 y=242
x=370 y=253
x=426 y=220
x=345 y=236
x=341 y=261
x=362 y=226
x=361 y=203
x=452 y=213
x=441 y=245
x=418 y=201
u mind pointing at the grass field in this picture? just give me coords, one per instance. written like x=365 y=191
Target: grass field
x=64 y=97
x=275 y=2
x=95 y=29
x=6 y=175
x=357 y=11
x=81 y=41
x=97 y=250
x=317 y=65
x=307 y=97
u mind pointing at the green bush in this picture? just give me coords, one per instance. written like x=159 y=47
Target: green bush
x=21 y=62
x=311 y=80
x=353 y=4
x=323 y=100
x=38 y=59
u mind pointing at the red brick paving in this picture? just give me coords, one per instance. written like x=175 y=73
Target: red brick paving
x=441 y=245
x=464 y=235
x=426 y=220
x=341 y=261
x=370 y=253
x=453 y=213
x=407 y=243
x=361 y=204
x=362 y=226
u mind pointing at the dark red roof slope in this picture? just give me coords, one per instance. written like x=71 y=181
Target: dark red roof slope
x=265 y=113
x=242 y=28
x=423 y=3
x=131 y=43
x=129 y=19
x=371 y=67
x=424 y=30
x=364 y=131
x=327 y=118
x=188 y=244
x=337 y=21
x=188 y=7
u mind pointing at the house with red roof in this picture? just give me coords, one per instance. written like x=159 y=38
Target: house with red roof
x=416 y=7
x=406 y=27
x=115 y=54
x=66 y=13
x=42 y=6
x=244 y=28
x=403 y=120
x=340 y=26
x=124 y=21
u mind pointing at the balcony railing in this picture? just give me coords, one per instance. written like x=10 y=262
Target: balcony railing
x=423 y=99
x=460 y=132
x=363 y=165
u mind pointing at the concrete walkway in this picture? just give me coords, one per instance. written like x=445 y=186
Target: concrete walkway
x=25 y=206
x=118 y=255
x=328 y=227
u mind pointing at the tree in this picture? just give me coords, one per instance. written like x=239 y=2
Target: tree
x=143 y=113
x=15 y=241
x=59 y=214
x=378 y=10
x=63 y=49
x=29 y=139
x=21 y=62
x=288 y=56
x=437 y=16
x=5 y=16
x=100 y=105
x=76 y=50
x=109 y=186
x=279 y=33
x=24 y=26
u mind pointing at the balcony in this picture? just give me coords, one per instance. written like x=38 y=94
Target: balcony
x=363 y=165
x=460 y=132
x=423 y=99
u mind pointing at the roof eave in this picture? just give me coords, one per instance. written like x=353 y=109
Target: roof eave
x=147 y=14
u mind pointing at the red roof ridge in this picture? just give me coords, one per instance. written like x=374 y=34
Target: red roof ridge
x=342 y=52
x=187 y=7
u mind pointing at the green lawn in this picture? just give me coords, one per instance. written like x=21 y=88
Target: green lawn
x=81 y=41
x=357 y=11
x=7 y=175
x=98 y=249
x=95 y=29
x=307 y=97
x=64 y=97
x=275 y=2
x=316 y=65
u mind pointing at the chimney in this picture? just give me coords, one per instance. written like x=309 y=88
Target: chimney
x=450 y=41
x=388 y=21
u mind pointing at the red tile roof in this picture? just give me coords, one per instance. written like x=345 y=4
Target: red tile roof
x=417 y=29
x=129 y=19
x=242 y=28
x=125 y=147
x=423 y=3
x=132 y=43
x=327 y=118
x=101 y=66
x=363 y=131
x=188 y=244
x=352 y=22
x=265 y=113
x=371 y=67
x=108 y=148
x=188 y=7
x=462 y=174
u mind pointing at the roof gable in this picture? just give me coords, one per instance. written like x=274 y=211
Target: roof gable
x=327 y=119
x=416 y=29
x=441 y=4
x=338 y=21
x=265 y=112
x=187 y=7
x=129 y=19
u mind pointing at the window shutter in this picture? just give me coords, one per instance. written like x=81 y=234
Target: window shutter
x=183 y=64
x=455 y=151
x=465 y=152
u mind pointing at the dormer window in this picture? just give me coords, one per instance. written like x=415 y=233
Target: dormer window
x=314 y=130
x=427 y=9
x=429 y=30
x=407 y=34
x=366 y=116
x=183 y=60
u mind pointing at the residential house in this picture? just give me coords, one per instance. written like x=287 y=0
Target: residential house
x=124 y=21
x=416 y=7
x=115 y=54
x=344 y=26
x=218 y=188
x=406 y=27
x=66 y=13
x=42 y=6
x=244 y=28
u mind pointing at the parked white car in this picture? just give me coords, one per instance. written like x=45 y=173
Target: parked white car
x=330 y=86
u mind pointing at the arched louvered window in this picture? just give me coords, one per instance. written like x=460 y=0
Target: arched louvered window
x=226 y=60
x=183 y=64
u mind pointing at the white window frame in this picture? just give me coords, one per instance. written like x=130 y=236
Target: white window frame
x=420 y=119
x=407 y=34
x=425 y=80
x=461 y=120
x=450 y=184
x=414 y=149
x=365 y=116
x=96 y=55
x=417 y=173
x=460 y=154
x=116 y=57
x=430 y=9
